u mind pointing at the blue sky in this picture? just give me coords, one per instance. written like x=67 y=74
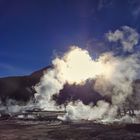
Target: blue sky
x=33 y=31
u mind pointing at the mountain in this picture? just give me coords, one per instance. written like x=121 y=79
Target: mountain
x=21 y=88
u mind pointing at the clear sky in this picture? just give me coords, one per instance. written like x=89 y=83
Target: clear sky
x=33 y=31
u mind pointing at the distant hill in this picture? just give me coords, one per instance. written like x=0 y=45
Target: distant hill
x=21 y=88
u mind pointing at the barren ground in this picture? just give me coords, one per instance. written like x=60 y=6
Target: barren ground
x=55 y=130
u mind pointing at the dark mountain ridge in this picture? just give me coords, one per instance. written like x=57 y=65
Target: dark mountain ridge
x=21 y=88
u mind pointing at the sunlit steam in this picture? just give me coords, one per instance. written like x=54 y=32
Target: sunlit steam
x=113 y=77
x=76 y=66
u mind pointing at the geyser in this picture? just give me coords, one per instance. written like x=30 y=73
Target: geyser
x=113 y=76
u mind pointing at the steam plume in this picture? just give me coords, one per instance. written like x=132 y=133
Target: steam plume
x=113 y=78
x=113 y=75
x=127 y=36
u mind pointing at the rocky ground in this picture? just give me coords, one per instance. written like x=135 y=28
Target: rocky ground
x=57 y=130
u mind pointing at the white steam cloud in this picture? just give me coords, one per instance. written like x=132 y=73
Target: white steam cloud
x=127 y=36
x=113 y=75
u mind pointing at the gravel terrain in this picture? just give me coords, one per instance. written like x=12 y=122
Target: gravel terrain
x=57 y=130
